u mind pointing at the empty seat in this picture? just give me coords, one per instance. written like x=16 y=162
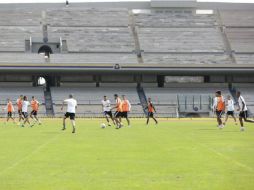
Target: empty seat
x=21 y=58
x=171 y=18
x=12 y=38
x=237 y=18
x=191 y=59
x=14 y=92
x=244 y=58
x=69 y=59
x=185 y=96
x=89 y=98
x=241 y=39
x=20 y=17
x=180 y=40
x=95 y=39
x=87 y=17
x=90 y=58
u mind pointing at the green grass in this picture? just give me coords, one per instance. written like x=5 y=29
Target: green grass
x=178 y=154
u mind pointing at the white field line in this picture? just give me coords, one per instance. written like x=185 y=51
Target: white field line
x=231 y=159
x=227 y=157
x=30 y=154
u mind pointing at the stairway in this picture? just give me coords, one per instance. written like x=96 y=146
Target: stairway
x=48 y=103
x=135 y=37
x=142 y=98
x=232 y=91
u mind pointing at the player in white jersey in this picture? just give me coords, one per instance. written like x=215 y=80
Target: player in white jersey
x=25 y=105
x=106 y=108
x=230 y=107
x=243 y=115
x=71 y=110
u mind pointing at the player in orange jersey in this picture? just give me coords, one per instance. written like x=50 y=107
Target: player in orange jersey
x=35 y=107
x=219 y=107
x=118 y=113
x=151 y=110
x=10 y=109
x=126 y=107
x=19 y=105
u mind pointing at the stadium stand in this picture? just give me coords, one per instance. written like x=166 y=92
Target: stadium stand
x=241 y=39
x=23 y=58
x=13 y=93
x=237 y=18
x=148 y=41
x=113 y=58
x=180 y=40
x=184 y=97
x=187 y=58
x=247 y=91
x=244 y=58
x=12 y=38
x=239 y=31
x=69 y=17
x=95 y=39
x=16 y=25
x=165 y=103
x=192 y=88
x=180 y=37
x=99 y=58
x=194 y=103
x=89 y=99
x=20 y=17
x=174 y=18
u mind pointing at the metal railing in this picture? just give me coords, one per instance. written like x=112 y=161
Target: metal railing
x=194 y=102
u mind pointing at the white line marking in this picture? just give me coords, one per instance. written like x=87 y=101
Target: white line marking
x=30 y=154
x=227 y=157
x=219 y=153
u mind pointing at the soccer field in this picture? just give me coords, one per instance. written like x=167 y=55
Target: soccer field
x=177 y=154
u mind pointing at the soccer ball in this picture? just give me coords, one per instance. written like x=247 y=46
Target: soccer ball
x=103 y=125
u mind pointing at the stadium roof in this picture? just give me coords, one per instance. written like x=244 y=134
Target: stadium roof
x=136 y=4
x=60 y=1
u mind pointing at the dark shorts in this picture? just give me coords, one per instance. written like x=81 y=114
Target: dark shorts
x=230 y=113
x=25 y=114
x=9 y=114
x=150 y=114
x=219 y=113
x=34 y=112
x=70 y=115
x=243 y=114
x=20 y=112
x=125 y=114
x=108 y=113
x=118 y=114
